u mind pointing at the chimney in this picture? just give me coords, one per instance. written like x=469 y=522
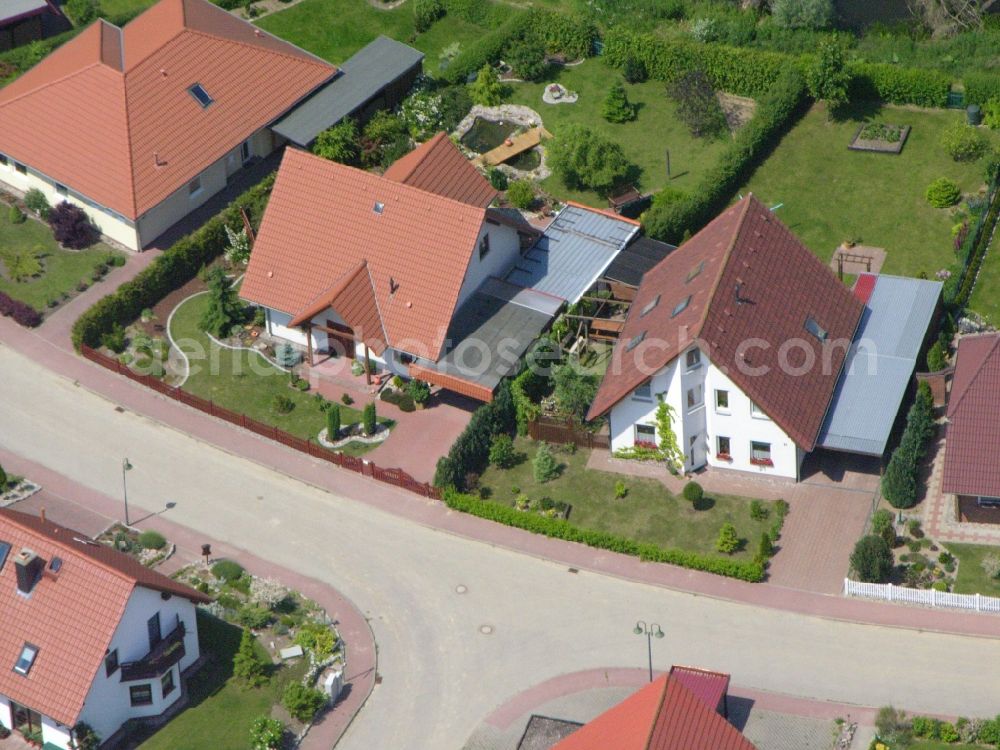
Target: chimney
x=41 y=514
x=28 y=567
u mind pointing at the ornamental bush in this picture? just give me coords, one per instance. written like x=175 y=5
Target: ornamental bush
x=339 y=143
x=871 y=559
x=964 y=142
x=318 y=638
x=693 y=492
x=15 y=215
x=150 y=539
x=253 y=617
x=498 y=178
x=248 y=665
x=224 y=309
x=521 y=194
x=368 y=418
x=470 y=451
x=802 y=14
x=943 y=193
x=936 y=359
x=899 y=483
x=502 y=451
x=333 y=422
x=697 y=105
x=487 y=90
x=71 y=226
x=991 y=114
x=991 y=565
x=425 y=13
x=883 y=526
x=587 y=159
x=36 y=202
x=302 y=702
x=227 y=570
x=526 y=58
x=81 y=12
x=728 y=541
x=827 y=77
x=617 y=108
x=634 y=70
x=266 y=734
x=21 y=312
x=544 y=466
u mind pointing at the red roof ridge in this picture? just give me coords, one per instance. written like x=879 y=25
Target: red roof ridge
x=406 y=167
x=48 y=84
x=606 y=212
x=315 y=61
x=325 y=298
x=954 y=407
x=664 y=680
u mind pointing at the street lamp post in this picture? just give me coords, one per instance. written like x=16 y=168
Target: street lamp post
x=126 y=466
x=650 y=630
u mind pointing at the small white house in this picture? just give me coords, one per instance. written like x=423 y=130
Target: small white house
x=744 y=333
x=89 y=634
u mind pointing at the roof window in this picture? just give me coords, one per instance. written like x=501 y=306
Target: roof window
x=695 y=271
x=4 y=550
x=201 y=96
x=26 y=659
x=636 y=340
x=649 y=306
x=379 y=207
x=816 y=329
x=681 y=306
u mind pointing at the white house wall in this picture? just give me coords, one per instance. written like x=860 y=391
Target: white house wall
x=108 y=704
x=5 y=718
x=54 y=733
x=505 y=250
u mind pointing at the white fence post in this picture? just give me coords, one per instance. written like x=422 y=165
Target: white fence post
x=978 y=603
x=927 y=597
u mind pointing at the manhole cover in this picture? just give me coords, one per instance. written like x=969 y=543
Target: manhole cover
x=486 y=629
x=461 y=589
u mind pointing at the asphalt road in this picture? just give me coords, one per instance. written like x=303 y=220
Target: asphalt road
x=441 y=674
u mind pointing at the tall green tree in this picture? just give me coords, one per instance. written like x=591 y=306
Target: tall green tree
x=487 y=89
x=617 y=107
x=224 y=307
x=828 y=77
x=587 y=159
x=871 y=559
x=248 y=666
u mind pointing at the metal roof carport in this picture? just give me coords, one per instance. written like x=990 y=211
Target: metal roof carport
x=880 y=363
x=363 y=77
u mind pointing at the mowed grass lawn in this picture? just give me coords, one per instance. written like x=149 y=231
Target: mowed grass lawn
x=222 y=710
x=648 y=513
x=971 y=578
x=118 y=7
x=336 y=29
x=62 y=269
x=985 y=298
x=831 y=194
x=645 y=140
x=232 y=380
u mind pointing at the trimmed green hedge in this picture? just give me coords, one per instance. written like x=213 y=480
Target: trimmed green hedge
x=975 y=261
x=981 y=87
x=171 y=270
x=470 y=453
x=896 y=85
x=559 y=529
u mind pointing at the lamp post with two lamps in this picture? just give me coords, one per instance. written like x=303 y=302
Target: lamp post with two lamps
x=126 y=466
x=650 y=631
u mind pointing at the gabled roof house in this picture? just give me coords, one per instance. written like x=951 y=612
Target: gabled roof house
x=745 y=334
x=142 y=124
x=414 y=271
x=677 y=711
x=88 y=634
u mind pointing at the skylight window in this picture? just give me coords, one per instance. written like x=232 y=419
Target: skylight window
x=379 y=207
x=695 y=271
x=649 y=306
x=681 y=306
x=4 y=550
x=26 y=659
x=200 y=95
x=636 y=340
x=816 y=329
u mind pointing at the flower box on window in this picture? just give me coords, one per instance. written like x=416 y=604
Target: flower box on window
x=761 y=462
x=723 y=457
x=647 y=444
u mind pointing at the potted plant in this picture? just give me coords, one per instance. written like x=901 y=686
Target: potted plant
x=555 y=91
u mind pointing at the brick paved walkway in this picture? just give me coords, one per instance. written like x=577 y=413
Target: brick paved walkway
x=80 y=508
x=938 y=509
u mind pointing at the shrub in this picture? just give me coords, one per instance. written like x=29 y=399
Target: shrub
x=882 y=525
x=15 y=215
x=617 y=107
x=697 y=105
x=895 y=85
x=368 y=418
x=71 y=226
x=899 y=484
x=85 y=736
x=347 y=399
x=621 y=490
x=454 y=104
x=282 y=404
x=634 y=70
x=521 y=194
x=150 y=539
x=333 y=422
x=81 y=12
x=302 y=702
x=827 y=77
x=802 y=14
x=693 y=492
x=426 y=12
x=37 y=203
x=991 y=565
x=587 y=159
x=248 y=666
x=728 y=541
x=981 y=86
x=340 y=142
x=924 y=726
x=266 y=734
x=991 y=113
x=384 y=140
x=892 y=727
x=419 y=391
x=943 y=193
x=23 y=263
x=318 y=638
x=964 y=142
x=253 y=617
x=872 y=559
x=544 y=466
x=22 y=313
x=936 y=359
x=470 y=451
x=989 y=732
x=947 y=731
x=267 y=592
x=502 y=451
x=765 y=549
x=224 y=309
x=758 y=511
x=4 y=481
x=526 y=58
x=498 y=178
x=228 y=571
x=487 y=89
x=115 y=339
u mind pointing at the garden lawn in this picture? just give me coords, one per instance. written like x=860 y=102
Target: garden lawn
x=62 y=269
x=336 y=29
x=971 y=578
x=644 y=140
x=831 y=194
x=221 y=709
x=648 y=513
x=232 y=380
x=114 y=8
x=985 y=298
x=938 y=745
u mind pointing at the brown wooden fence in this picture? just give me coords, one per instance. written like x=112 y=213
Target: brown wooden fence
x=396 y=477
x=566 y=431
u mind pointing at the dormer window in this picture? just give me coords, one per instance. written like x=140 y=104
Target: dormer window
x=650 y=306
x=200 y=95
x=26 y=660
x=813 y=326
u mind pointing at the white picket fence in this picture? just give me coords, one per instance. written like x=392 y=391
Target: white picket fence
x=923 y=597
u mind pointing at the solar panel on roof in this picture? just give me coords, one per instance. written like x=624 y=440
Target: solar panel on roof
x=4 y=551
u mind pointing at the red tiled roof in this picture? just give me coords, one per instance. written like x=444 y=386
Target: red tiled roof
x=970 y=465
x=710 y=687
x=123 y=95
x=321 y=223
x=452 y=383
x=748 y=278
x=664 y=715
x=438 y=167
x=71 y=619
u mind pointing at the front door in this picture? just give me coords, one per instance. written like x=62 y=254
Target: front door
x=341 y=338
x=697 y=453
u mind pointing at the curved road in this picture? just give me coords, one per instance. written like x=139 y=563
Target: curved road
x=441 y=674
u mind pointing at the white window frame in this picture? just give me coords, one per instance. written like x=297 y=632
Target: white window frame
x=721 y=454
x=198 y=190
x=27 y=657
x=719 y=408
x=756 y=412
x=636 y=438
x=761 y=461
x=643 y=392
x=692 y=359
x=246 y=152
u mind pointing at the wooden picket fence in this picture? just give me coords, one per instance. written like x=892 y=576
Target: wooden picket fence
x=396 y=477
x=553 y=430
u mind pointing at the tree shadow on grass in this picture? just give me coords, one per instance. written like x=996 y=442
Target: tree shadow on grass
x=854 y=111
x=705 y=503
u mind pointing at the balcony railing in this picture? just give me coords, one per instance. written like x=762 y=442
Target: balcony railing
x=160 y=658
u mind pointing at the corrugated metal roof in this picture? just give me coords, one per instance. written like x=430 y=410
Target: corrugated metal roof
x=879 y=365
x=573 y=253
x=363 y=76
x=12 y=9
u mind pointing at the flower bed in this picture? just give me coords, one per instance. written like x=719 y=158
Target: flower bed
x=880 y=137
x=147 y=547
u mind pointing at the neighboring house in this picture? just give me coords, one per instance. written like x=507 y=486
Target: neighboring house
x=87 y=634
x=141 y=125
x=684 y=709
x=745 y=334
x=971 y=470
x=21 y=21
x=413 y=271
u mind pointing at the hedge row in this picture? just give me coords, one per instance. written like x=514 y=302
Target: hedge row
x=470 y=453
x=559 y=529
x=21 y=312
x=896 y=85
x=901 y=478
x=171 y=270
x=981 y=87
x=982 y=241
x=776 y=111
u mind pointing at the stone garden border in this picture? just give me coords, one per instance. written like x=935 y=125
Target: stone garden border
x=879 y=146
x=382 y=432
